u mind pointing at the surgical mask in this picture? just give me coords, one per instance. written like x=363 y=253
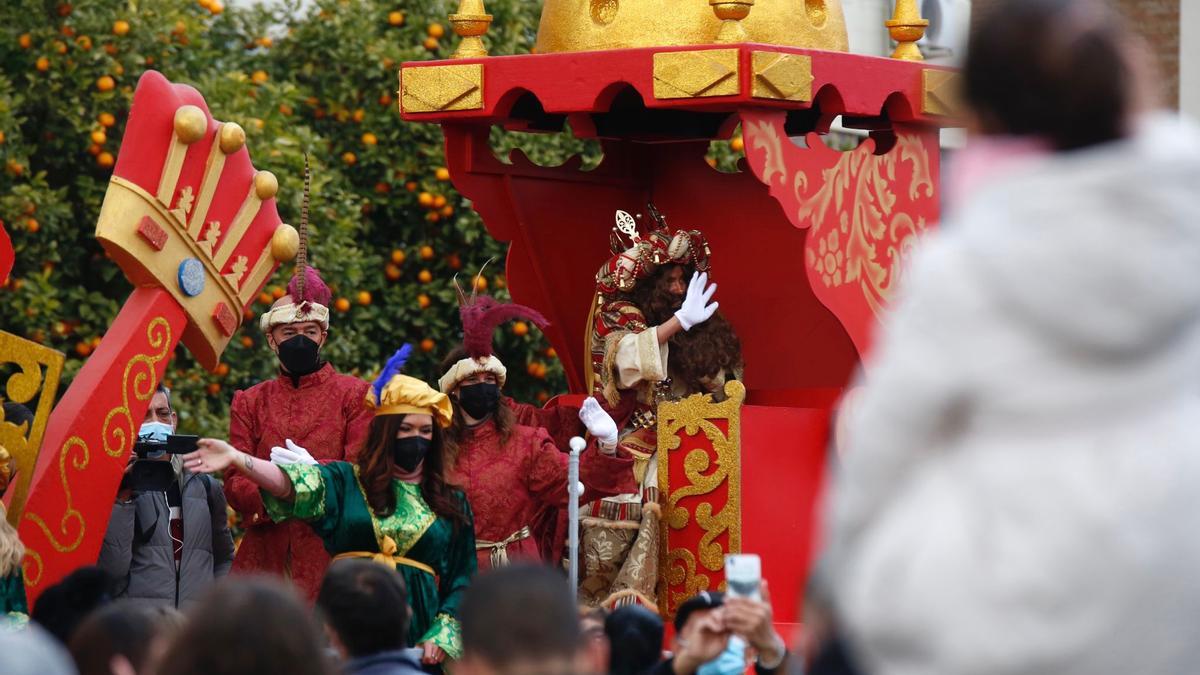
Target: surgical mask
x=410 y=451
x=479 y=400
x=155 y=432
x=732 y=661
x=298 y=354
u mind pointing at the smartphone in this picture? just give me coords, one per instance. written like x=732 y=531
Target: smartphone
x=743 y=575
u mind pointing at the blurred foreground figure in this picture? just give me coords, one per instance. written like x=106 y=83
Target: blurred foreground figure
x=1020 y=484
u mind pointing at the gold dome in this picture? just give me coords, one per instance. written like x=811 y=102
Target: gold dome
x=581 y=25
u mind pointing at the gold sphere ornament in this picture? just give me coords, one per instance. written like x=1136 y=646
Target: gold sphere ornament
x=285 y=243
x=232 y=137
x=190 y=123
x=266 y=185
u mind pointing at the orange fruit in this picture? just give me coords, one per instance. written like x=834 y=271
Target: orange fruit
x=118 y=69
x=543 y=396
x=26 y=41
x=737 y=144
x=369 y=139
x=84 y=42
x=427 y=345
x=15 y=168
x=398 y=257
x=265 y=42
x=105 y=83
x=396 y=18
x=94 y=149
x=216 y=7
x=432 y=216
x=382 y=188
x=64 y=9
x=431 y=44
x=442 y=173
x=439 y=201
x=425 y=199
x=342 y=305
x=99 y=137
x=105 y=159
x=277 y=292
x=531 y=368
x=83 y=348
x=259 y=76
x=43 y=64
x=213 y=388
x=711 y=161
x=453 y=261
x=222 y=369
x=1 y=138
x=551 y=353
x=106 y=119
x=447 y=211
x=358 y=115
x=411 y=186
x=60 y=47
x=32 y=225
x=349 y=158
x=426 y=252
x=425 y=276
x=391 y=272
x=265 y=298
x=435 y=30
x=120 y=27
x=95 y=342
x=247 y=341
x=385 y=100
x=364 y=298
x=481 y=284
x=423 y=301
x=520 y=328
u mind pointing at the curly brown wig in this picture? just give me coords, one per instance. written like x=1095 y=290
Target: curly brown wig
x=376 y=466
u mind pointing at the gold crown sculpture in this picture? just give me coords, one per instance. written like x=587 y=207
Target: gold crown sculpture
x=582 y=25
x=186 y=211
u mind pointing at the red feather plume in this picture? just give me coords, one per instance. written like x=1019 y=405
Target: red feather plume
x=314 y=289
x=482 y=314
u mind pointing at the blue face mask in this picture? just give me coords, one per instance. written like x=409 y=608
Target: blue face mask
x=155 y=432
x=732 y=661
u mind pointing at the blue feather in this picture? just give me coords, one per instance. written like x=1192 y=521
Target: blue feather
x=392 y=367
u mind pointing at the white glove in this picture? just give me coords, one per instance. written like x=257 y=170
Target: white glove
x=695 y=307
x=599 y=423
x=292 y=454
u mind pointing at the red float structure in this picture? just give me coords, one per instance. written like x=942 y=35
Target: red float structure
x=807 y=241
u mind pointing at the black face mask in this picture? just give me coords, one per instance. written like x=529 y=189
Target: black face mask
x=298 y=354
x=408 y=452
x=479 y=400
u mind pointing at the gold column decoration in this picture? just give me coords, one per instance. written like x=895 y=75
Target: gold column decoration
x=731 y=13
x=906 y=27
x=470 y=23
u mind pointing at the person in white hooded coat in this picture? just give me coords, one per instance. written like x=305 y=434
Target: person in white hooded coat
x=1018 y=490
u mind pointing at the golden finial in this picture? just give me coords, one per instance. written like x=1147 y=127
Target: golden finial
x=470 y=23
x=906 y=27
x=731 y=13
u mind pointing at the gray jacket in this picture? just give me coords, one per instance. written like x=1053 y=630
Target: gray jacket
x=137 y=548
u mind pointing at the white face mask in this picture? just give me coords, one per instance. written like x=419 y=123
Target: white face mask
x=155 y=432
x=732 y=661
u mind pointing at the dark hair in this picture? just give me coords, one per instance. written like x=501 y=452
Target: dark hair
x=251 y=627
x=61 y=607
x=375 y=468
x=652 y=297
x=162 y=389
x=519 y=613
x=702 y=600
x=366 y=604
x=120 y=629
x=1056 y=69
x=504 y=419
x=636 y=636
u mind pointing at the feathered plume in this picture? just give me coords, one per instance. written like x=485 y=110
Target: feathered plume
x=302 y=254
x=392 y=367
x=481 y=314
x=307 y=286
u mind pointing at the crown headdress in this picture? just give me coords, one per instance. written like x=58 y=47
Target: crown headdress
x=636 y=257
x=187 y=211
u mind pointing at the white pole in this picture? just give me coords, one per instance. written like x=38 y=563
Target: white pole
x=574 y=490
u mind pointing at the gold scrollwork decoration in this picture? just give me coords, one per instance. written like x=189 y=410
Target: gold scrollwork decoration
x=705 y=472
x=66 y=539
x=39 y=370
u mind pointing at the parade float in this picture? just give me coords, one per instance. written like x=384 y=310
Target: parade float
x=806 y=241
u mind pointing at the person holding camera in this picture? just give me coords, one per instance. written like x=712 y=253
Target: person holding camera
x=168 y=538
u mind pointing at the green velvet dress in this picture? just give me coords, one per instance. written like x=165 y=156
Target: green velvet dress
x=331 y=499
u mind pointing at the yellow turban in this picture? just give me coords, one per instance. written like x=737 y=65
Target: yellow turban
x=404 y=395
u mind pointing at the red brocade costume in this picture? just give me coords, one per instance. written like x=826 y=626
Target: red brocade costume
x=325 y=414
x=508 y=484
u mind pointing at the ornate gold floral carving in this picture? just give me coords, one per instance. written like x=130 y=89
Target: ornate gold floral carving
x=721 y=425
x=140 y=378
x=40 y=370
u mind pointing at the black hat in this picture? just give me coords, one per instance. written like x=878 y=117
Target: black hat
x=702 y=600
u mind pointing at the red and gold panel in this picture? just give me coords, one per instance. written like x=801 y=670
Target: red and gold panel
x=33 y=374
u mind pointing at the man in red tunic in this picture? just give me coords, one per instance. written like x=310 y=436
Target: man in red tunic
x=510 y=471
x=309 y=411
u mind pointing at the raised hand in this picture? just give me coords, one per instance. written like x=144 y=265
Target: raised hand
x=598 y=422
x=292 y=454
x=211 y=456
x=696 y=308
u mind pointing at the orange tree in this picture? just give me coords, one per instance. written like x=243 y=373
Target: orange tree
x=388 y=230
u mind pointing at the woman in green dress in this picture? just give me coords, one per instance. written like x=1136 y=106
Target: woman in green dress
x=392 y=506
